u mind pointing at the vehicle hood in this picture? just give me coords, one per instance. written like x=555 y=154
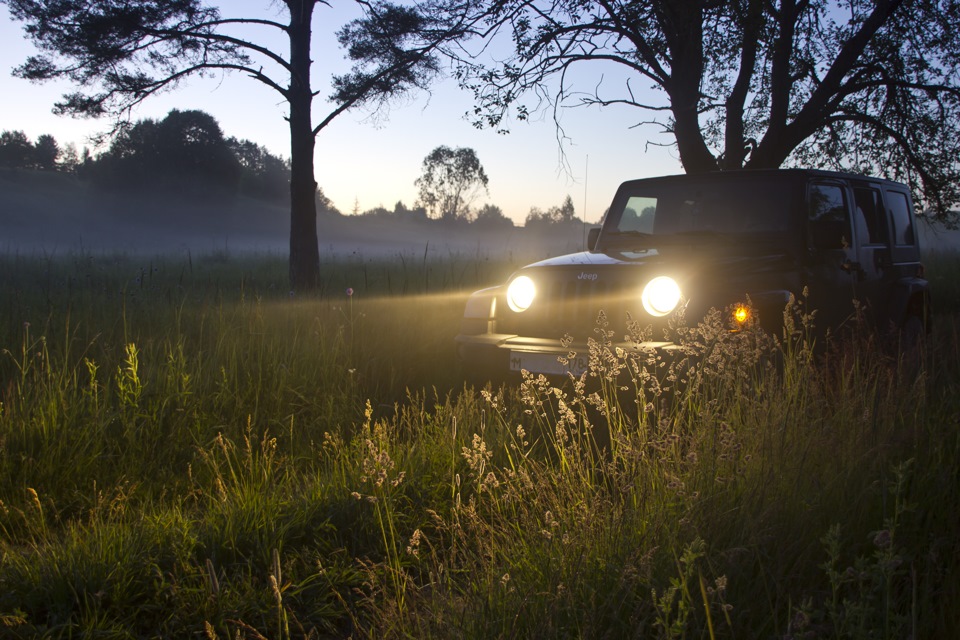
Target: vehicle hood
x=650 y=257
x=584 y=258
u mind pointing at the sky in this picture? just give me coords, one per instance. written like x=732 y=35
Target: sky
x=363 y=160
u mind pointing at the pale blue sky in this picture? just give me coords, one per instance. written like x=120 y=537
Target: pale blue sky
x=371 y=163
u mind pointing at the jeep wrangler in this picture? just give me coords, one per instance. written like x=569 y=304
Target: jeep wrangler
x=741 y=242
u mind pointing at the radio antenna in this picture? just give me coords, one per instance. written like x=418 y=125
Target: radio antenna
x=583 y=216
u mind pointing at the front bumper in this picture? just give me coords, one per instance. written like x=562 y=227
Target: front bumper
x=503 y=354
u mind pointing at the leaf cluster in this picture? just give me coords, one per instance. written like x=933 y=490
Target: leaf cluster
x=186 y=152
x=17 y=152
x=123 y=51
x=861 y=86
x=451 y=180
x=393 y=51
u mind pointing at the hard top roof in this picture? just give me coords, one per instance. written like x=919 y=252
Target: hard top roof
x=764 y=174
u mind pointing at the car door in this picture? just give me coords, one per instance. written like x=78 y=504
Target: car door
x=872 y=238
x=833 y=258
x=905 y=286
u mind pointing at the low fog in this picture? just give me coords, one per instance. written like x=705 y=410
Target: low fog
x=55 y=214
x=51 y=214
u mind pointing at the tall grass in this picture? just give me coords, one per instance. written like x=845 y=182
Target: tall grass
x=186 y=449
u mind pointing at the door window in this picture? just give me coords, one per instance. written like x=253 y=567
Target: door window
x=870 y=216
x=829 y=217
x=900 y=212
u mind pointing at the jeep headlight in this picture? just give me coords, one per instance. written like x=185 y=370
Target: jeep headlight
x=661 y=296
x=520 y=293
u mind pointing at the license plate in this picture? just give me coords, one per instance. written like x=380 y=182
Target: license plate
x=547 y=363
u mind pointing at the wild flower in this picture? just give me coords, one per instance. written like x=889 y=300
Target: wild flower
x=413 y=547
x=522 y=436
x=477 y=456
x=377 y=465
x=550 y=523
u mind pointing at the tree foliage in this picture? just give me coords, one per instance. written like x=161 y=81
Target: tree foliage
x=564 y=214
x=121 y=53
x=491 y=216
x=16 y=150
x=450 y=181
x=46 y=152
x=262 y=174
x=185 y=151
x=871 y=86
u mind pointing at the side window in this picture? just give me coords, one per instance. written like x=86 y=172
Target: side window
x=829 y=217
x=900 y=212
x=868 y=212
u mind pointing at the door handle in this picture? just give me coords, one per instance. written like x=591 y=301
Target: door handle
x=850 y=266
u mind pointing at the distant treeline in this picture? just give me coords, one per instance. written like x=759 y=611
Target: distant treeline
x=186 y=153
x=489 y=216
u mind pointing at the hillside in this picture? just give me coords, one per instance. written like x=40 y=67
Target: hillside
x=56 y=213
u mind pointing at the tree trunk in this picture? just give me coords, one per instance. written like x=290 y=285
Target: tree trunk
x=735 y=145
x=683 y=26
x=304 y=249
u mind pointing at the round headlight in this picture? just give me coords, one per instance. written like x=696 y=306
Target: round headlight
x=520 y=293
x=661 y=296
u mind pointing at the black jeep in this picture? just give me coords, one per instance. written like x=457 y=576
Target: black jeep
x=740 y=242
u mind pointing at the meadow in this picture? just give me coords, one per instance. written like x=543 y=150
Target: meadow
x=189 y=450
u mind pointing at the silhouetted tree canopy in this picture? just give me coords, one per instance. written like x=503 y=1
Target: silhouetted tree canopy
x=451 y=180
x=491 y=216
x=46 y=152
x=325 y=205
x=564 y=214
x=121 y=53
x=16 y=150
x=185 y=152
x=868 y=86
x=69 y=159
x=262 y=174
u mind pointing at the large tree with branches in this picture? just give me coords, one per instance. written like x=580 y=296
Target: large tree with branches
x=451 y=180
x=865 y=85
x=120 y=53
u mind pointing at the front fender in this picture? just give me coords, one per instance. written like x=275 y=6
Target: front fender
x=480 y=312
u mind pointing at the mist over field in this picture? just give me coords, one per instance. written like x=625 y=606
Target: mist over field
x=55 y=213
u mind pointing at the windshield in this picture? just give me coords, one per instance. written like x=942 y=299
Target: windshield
x=707 y=208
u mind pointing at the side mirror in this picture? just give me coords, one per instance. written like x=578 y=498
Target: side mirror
x=592 y=236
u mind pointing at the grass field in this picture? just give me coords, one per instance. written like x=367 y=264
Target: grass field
x=188 y=450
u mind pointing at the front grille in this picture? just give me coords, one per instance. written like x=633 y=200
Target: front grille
x=572 y=307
